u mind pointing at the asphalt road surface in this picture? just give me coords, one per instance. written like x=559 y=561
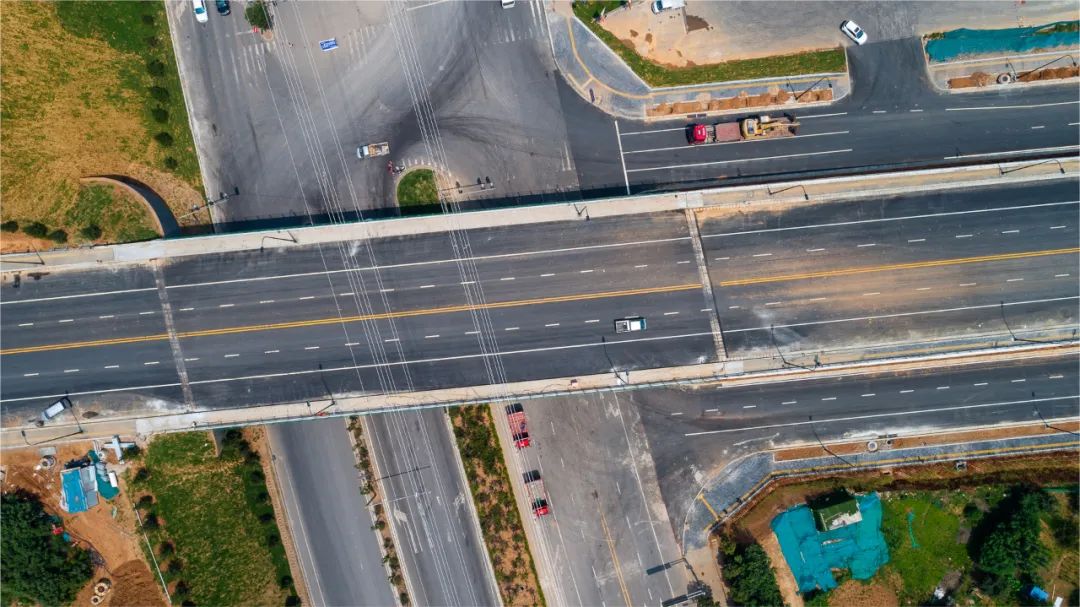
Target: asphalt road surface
x=314 y=322
x=893 y=118
x=693 y=433
x=426 y=497
x=278 y=121
x=328 y=518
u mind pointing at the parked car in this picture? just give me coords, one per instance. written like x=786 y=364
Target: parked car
x=54 y=409
x=223 y=7
x=508 y=3
x=853 y=31
x=662 y=5
x=200 y=11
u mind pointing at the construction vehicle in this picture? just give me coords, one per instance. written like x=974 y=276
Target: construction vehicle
x=754 y=127
x=519 y=428
x=372 y=150
x=537 y=495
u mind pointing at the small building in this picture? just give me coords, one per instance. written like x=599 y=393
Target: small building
x=78 y=489
x=835 y=510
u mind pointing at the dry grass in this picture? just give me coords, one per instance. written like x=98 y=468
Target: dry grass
x=72 y=107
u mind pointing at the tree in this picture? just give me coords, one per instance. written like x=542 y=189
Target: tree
x=155 y=68
x=90 y=232
x=751 y=578
x=39 y=567
x=1012 y=553
x=163 y=138
x=159 y=114
x=159 y=93
x=58 y=236
x=257 y=15
x=10 y=226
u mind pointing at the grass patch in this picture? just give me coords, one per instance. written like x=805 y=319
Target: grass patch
x=78 y=80
x=500 y=521
x=125 y=219
x=417 y=193
x=216 y=516
x=935 y=525
x=657 y=75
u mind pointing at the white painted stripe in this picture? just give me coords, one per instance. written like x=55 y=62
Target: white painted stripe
x=226 y=305
x=671 y=313
x=720 y=143
x=592 y=320
x=1009 y=107
x=31 y=374
x=311 y=347
x=681 y=128
x=104 y=316
x=66 y=320
x=26 y=324
x=392 y=340
x=1012 y=152
x=511 y=328
x=71 y=370
x=552 y=324
x=306 y=297
x=789 y=402
x=431 y=336
x=271 y=351
x=760 y=158
x=822 y=115
x=350 y=294
x=231 y=355
x=112 y=366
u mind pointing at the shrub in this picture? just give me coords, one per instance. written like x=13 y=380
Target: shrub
x=142 y=475
x=10 y=226
x=163 y=138
x=263 y=497
x=751 y=578
x=171 y=163
x=266 y=517
x=159 y=93
x=292 y=601
x=148 y=19
x=36 y=229
x=151 y=41
x=146 y=501
x=273 y=540
x=175 y=566
x=232 y=434
x=181 y=590
x=404 y=597
x=90 y=232
x=133 y=452
x=257 y=15
x=257 y=476
x=151 y=522
x=159 y=114
x=58 y=236
x=155 y=68
x=285 y=581
x=165 y=549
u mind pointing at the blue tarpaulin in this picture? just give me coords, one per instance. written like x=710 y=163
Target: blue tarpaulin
x=811 y=555
x=963 y=42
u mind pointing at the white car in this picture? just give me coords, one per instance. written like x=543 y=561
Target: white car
x=629 y=325
x=853 y=31
x=200 y=11
x=508 y=3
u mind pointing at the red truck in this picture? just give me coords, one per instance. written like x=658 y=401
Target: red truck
x=537 y=495
x=754 y=127
x=519 y=428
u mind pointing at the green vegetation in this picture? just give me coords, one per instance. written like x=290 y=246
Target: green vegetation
x=99 y=205
x=39 y=567
x=500 y=521
x=9 y=226
x=257 y=15
x=934 y=527
x=417 y=192
x=1060 y=28
x=1009 y=550
x=211 y=513
x=656 y=75
x=749 y=574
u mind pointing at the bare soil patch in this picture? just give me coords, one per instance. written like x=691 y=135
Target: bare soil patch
x=855 y=592
x=743 y=100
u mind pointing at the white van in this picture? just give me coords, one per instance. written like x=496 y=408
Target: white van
x=663 y=5
x=55 y=409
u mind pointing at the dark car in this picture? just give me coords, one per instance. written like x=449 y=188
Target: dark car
x=223 y=7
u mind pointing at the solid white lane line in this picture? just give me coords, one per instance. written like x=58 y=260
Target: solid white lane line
x=311 y=347
x=681 y=128
x=66 y=320
x=622 y=158
x=822 y=115
x=231 y=355
x=759 y=158
x=720 y=143
x=890 y=414
x=1060 y=148
x=1008 y=107
x=837 y=224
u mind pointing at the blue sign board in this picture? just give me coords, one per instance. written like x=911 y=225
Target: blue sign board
x=328 y=45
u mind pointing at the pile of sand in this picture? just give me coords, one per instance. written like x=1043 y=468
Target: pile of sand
x=975 y=79
x=743 y=100
x=1053 y=73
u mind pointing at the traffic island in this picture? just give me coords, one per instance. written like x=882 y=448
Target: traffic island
x=418 y=193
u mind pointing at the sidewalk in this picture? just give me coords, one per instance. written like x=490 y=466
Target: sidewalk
x=603 y=78
x=792 y=192
x=965 y=76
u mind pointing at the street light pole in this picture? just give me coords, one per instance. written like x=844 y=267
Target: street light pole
x=827 y=450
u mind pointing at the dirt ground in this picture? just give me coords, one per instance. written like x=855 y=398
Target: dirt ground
x=742 y=100
x=789 y=588
x=977 y=79
x=108 y=530
x=922 y=441
x=855 y=592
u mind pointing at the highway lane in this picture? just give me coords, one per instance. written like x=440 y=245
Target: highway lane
x=912 y=269
x=694 y=433
x=328 y=518
x=426 y=495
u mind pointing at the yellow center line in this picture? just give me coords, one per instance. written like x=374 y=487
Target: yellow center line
x=357 y=318
x=898 y=266
x=614 y=557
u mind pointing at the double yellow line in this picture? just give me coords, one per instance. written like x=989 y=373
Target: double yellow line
x=356 y=318
x=937 y=263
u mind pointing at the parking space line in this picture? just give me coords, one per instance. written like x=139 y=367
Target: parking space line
x=622 y=158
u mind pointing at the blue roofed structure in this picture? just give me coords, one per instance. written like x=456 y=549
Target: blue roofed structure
x=78 y=489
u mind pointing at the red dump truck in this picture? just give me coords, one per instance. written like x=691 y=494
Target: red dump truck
x=537 y=495
x=519 y=427
x=754 y=127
